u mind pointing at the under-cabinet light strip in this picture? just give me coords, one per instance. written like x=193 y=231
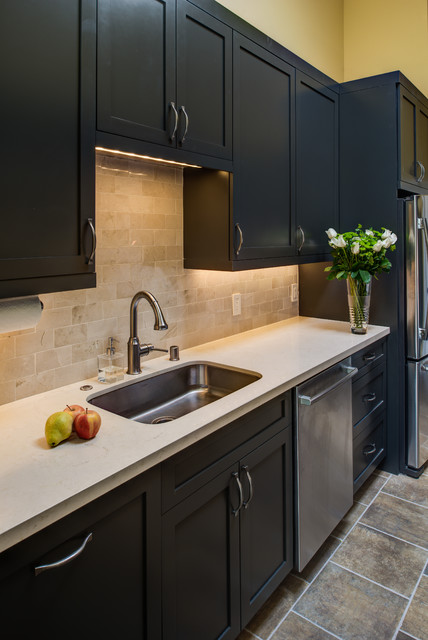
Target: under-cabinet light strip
x=141 y=157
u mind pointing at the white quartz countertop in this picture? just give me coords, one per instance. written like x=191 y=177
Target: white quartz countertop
x=39 y=485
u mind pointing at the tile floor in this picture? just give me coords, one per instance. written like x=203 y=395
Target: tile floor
x=369 y=581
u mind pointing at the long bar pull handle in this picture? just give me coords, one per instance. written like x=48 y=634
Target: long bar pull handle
x=174 y=131
x=250 y=487
x=66 y=560
x=308 y=400
x=369 y=449
x=241 y=238
x=235 y=512
x=90 y=259
x=186 y=118
x=422 y=168
x=302 y=236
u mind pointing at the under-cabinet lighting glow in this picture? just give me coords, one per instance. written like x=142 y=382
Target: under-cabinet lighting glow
x=137 y=155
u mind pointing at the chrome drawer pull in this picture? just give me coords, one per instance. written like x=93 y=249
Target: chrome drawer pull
x=369 y=449
x=369 y=397
x=172 y=136
x=94 y=241
x=422 y=168
x=186 y=118
x=241 y=496
x=66 y=560
x=250 y=487
x=369 y=357
x=302 y=236
x=241 y=238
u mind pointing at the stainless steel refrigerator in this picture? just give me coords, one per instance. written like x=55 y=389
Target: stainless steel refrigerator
x=416 y=220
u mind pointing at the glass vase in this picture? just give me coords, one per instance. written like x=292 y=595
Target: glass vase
x=359 y=304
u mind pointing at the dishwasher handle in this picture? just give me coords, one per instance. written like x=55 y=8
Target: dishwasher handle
x=308 y=400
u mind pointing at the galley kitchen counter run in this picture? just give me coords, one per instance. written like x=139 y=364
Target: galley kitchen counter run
x=39 y=485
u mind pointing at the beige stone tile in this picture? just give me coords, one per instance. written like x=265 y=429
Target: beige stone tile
x=399 y=518
x=128 y=184
x=392 y=563
x=100 y=329
x=413 y=489
x=88 y=350
x=115 y=273
x=86 y=313
x=351 y=607
x=295 y=627
x=141 y=237
x=113 y=238
x=34 y=342
x=276 y=607
x=52 y=318
x=7 y=391
x=369 y=489
x=14 y=368
x=348 y=520
x=112 y=220
x=30 y=385
x=53 y=358
x=75 y=373
x=416 y=620
x=7 y=347
x=69 y=298
x=320 y=558
x=116 y=308
x=70 y=335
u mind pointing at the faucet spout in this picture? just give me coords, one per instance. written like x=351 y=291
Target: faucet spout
x=135 y=350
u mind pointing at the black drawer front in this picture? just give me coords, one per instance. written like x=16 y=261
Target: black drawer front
x=191 y=468
x=369 y=449
x=369 y=357
x=368 y=395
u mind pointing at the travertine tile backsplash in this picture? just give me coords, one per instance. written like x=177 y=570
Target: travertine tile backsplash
x=139 y=222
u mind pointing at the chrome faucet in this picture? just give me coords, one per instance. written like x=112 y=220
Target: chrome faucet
x=135 y=349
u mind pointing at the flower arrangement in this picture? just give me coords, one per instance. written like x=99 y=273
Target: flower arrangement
x=357 y=256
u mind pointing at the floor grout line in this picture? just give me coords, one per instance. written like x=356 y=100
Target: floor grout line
x=296 y=613
x=408 y=606
x=391 y=535
x=416 y=504
x=360 y=575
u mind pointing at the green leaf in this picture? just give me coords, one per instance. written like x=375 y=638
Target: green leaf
x=365 y=276
x=340 y=275
x=328 y=269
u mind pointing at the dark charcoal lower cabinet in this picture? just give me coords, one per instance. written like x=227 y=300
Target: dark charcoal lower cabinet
x=110 y=590
x=228 y=545
x=368 y=411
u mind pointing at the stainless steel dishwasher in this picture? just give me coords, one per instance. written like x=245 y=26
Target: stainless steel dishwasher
x=323 y=457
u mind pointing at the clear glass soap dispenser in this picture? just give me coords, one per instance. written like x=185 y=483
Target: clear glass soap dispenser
x=110 y=364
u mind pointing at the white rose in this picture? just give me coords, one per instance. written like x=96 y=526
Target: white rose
x=340 y=242
x=355 y=248
x=386 y=234
x=331 y=233
x=393 y=238
x=387 y=242
x=368 y=232
x=378 y=246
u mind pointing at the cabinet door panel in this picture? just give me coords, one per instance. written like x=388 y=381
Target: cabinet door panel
x=200 y=564
x=204 y=82
x=422 y=142
x=317 y=139
x=266 y=521
x=47 y=132
x=136 y=68
x=408 y=136
x=263 y=150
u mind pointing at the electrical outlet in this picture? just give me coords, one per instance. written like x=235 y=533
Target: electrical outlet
x=236 y=304
x=294 y=292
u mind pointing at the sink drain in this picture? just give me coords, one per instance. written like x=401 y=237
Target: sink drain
x=163 y=419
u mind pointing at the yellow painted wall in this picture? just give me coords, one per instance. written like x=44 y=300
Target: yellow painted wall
x=386 y=35
x=312 y=29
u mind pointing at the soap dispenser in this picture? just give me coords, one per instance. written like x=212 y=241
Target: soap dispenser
x=110 y=364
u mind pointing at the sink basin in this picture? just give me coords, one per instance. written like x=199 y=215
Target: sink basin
x=174 y=393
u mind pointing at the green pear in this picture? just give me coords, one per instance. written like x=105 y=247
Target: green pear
x=58 y=427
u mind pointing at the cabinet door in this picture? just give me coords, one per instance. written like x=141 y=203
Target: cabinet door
x=266 y=521
x=317 y=187
x=47 y=135
x=263 y=139
x=204 y=82
x=136 y=69
x=422 y=143
x=200 y=564
x=106 y=591
x=414 y=140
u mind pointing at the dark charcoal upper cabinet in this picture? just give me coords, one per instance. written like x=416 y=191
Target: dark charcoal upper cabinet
x=263 y=137
x=164 y=76
x=110 y=589
x=47 y=122
x=317 y=151
x=414 y=139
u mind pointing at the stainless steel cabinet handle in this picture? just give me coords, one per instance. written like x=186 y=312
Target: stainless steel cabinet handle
x=241 y=238
x=369 y=449
x=250 y=487
x=186 y=118
x=302 y=236
x=369 y=397
x=66 y=560
x=369 y=357
x=174 y=131
x=94 y=241
x=308 y=400
x=235 y=512
x=422 y=168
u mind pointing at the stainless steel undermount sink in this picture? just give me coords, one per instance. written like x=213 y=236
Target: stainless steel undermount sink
x=174 y=393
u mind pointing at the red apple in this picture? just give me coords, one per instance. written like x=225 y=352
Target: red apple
x=74 y=410
x=87 y=424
